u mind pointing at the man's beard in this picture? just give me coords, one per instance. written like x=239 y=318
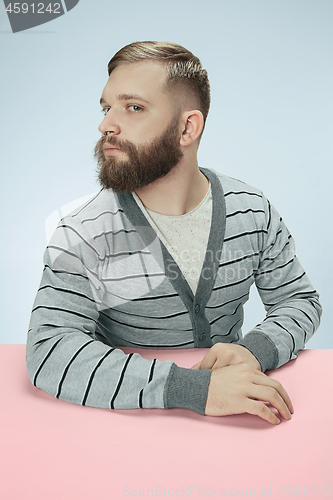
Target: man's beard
x=145 y=163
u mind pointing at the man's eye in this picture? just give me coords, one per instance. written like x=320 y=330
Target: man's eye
x=135 y=107
x=105 y=110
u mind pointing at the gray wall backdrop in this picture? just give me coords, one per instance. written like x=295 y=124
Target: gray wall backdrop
x=270 y=125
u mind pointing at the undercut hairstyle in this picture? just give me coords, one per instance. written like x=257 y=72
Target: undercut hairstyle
x=185 y=74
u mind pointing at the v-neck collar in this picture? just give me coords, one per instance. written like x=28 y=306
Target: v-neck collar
x=213 y=251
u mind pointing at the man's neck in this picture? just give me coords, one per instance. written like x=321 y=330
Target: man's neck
x=178 y=193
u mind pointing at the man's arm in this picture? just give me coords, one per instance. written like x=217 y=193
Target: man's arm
x=292 y=304
x=293 y=315
x=64 y=357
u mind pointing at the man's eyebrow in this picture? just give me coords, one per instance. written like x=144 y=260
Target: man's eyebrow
x=129 y=97
x=125 y=97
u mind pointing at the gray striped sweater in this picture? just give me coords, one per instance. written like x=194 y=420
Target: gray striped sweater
x=109 y=282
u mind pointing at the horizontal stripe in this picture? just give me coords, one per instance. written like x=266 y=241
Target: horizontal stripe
x=167 y=316
x=63 y=250
x=242 y=192
x=134 y=276
x=275 y=268
x=156 y=297
x=107 y=256
x=146 y=345
x=224 y=315
x=274 y=257
x=65 y=290
x=245 y=212
x=235 y=283
x=114 y=233
x=240 y=259
x=297 y=295
x=282 y=285
x=228 y=302
x=137 y=327
x=41 y=341
x=122 y=254
x=89 y=219
x=247 y=233
x=66 y=272
x=68 y=311
x=229 y=331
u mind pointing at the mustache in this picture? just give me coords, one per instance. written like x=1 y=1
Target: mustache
x=121 y=144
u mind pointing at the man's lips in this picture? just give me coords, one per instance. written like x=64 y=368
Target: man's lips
x=110 y=150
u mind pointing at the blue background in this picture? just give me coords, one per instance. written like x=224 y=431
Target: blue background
x=270 y=124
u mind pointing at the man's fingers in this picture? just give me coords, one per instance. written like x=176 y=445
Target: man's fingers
x=221 y=355
x=264 y=393
x=264 y=380
x=222 y=362
x=208 y=361
x=215 y=359
x=260 y=409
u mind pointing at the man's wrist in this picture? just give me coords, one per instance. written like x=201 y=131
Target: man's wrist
x=186 y=388
x=262 y=348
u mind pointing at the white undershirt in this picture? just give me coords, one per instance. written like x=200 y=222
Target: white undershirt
x=185 y=236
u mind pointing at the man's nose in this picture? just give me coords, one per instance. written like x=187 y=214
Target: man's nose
x=109 y=124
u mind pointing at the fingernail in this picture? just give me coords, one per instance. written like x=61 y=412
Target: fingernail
x=278 y=421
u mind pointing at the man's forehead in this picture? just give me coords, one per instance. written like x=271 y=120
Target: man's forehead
x=139 y=79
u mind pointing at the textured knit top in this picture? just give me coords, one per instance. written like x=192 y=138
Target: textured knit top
x=109 y=281
x=184 y=236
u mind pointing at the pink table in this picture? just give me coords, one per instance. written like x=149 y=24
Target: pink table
x=53 y=450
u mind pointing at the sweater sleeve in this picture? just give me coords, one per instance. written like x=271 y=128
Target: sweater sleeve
x=291 y=303
x=65 y=356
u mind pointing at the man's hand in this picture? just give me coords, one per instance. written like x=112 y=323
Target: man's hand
x=242 y=389
x=225 y=355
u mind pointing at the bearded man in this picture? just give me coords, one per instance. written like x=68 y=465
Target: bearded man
x=164 y=257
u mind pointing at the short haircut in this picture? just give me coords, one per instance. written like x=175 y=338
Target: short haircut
x=184 y=70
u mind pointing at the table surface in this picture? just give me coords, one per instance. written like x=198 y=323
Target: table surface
x=54 y=450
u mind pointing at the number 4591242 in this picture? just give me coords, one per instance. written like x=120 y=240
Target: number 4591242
x=40 y=8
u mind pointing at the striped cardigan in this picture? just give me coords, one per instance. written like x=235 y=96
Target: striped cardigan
x=108 y=282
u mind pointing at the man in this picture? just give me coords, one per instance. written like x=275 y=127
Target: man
x=164 y=257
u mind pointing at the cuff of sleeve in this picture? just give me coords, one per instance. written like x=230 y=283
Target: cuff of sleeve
x=262 y=348
x=186 y=388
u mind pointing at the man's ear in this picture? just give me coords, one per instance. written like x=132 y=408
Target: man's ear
x=192 y=123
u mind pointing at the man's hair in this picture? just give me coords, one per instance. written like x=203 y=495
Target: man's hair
x=184 y=70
